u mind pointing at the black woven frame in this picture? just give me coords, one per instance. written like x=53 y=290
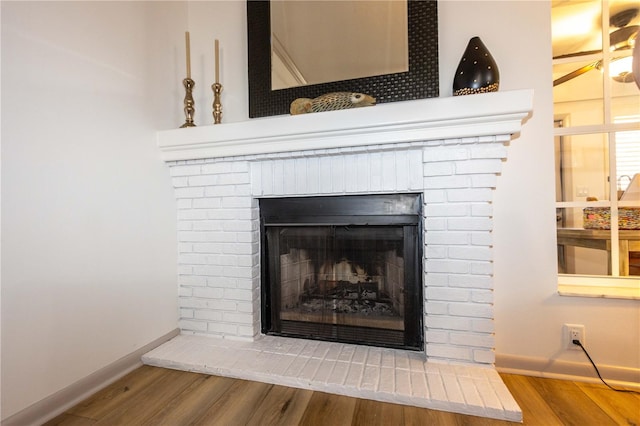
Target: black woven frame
x=421 y=81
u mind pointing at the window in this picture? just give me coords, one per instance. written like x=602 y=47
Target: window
x=597 y=144
x=627 y=153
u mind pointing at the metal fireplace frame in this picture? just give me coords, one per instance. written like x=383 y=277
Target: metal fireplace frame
x=398 y=210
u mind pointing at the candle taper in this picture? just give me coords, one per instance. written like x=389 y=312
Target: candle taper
x=187 y=42
x=217 y=56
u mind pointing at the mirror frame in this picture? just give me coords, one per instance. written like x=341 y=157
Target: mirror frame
x=421 y=81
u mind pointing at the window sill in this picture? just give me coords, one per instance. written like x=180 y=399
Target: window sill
x=600 y=287
x=604 y=292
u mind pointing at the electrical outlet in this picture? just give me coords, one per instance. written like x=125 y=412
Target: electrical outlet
x=574 y=332
x=582 y=191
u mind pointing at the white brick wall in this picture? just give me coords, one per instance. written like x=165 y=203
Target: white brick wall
x=218 y=233
x=218 y=248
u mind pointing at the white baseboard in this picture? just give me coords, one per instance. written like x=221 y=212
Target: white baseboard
x=56 y=404
x=566 y=370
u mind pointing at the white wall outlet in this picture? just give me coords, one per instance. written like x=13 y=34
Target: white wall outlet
x=574 y=332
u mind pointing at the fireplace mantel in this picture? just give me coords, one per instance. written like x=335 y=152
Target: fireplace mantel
x=400 y=122
x=449 y=150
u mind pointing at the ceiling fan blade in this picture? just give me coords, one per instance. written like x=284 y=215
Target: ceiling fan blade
x=620 y=39
x=624 y=38
x=577 y=54
x=576 y=73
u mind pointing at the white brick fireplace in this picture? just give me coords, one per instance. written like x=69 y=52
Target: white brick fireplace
x=449 y=149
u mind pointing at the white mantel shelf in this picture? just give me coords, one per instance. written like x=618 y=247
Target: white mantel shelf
x=498 y=113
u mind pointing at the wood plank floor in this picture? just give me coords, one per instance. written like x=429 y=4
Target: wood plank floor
x=158 y=396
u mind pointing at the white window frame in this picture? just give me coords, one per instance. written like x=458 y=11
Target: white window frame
x=613 y=286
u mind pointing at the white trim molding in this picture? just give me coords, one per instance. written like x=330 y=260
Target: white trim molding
x=567 y=370
x=57 y=403
x=496 y=113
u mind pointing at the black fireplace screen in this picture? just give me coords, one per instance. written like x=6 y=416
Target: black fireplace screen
x=343 y=269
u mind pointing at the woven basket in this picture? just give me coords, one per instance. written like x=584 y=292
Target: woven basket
x=600 y=218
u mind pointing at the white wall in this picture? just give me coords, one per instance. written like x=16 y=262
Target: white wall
x=88 y=218
x=529 y=313
x=88 y=213
x=227 y=22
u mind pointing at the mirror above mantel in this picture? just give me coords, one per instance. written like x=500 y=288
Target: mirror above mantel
x=418 y=82
x=347 y=40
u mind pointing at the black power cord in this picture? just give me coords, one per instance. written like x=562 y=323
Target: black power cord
x=578 y=343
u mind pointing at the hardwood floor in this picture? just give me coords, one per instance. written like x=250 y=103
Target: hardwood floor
x=157 y=396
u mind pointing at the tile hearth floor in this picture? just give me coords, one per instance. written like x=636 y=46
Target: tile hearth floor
x=389 y=375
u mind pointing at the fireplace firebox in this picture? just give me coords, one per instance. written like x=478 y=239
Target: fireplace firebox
x=343 y=268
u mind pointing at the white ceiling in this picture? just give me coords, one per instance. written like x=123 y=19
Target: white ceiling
x=577 y=40
x=576 y=24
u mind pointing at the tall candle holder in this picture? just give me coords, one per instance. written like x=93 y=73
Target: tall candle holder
x=189 y=108
x=217 y=104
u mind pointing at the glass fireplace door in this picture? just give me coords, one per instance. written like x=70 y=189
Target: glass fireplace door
x=347 y=283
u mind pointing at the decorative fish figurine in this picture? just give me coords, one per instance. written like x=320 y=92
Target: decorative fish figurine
x=331 y=102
